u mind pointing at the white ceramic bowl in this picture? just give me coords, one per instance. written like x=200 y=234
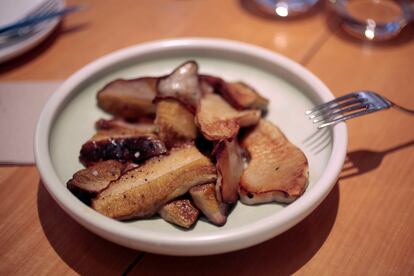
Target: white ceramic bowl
x=68 y=120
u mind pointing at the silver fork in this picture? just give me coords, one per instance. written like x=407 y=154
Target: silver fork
x=45 y=8
x=350 y=106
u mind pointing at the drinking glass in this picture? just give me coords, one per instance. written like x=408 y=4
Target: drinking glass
x=285 y=8
x=374 y=19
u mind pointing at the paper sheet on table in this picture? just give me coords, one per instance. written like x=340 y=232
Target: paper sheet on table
x=20 y=107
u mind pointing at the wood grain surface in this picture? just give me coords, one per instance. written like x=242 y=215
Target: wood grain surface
x=364 y=227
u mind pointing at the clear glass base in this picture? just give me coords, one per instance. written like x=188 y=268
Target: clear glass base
x=285 y=8
x=373 y=19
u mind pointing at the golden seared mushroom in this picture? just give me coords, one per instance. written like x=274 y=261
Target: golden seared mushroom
x=87 y=183
x=176 y=124
x=204 y=197
x=120 y=126
x=277 y=171
x=218 y=120
x=180 y=212
x=129 y=99
x=122 y=147
x=141 y=192
x=230 y=167
x=246 y=97
x=182 y=84
x=239 y=94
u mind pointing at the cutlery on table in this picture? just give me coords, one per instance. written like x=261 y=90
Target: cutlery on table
x=48 y=10
x=350 y=106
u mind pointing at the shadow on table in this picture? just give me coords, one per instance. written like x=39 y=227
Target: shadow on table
x=252 y=8
x=334 y=24
x=282 y=255
x=83 y=251
x=41 y=48
x=362 y=161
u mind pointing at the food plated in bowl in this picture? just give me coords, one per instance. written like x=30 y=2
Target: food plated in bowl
x=184 y=139
x=68 y=121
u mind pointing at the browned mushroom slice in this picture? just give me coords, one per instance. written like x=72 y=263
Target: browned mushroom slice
x=238 y=94
x=246 y=97
x=230 y=167
x=87 y=183
x=218 y=120
x=121 y=126
x=277 y=171
x=129 y=99
x=175 y=122
x=182 y=84
x=120 y=147
x=180 y=212
x=116 y=133
x=141 y=192
x=216 y=83
x=204 y=197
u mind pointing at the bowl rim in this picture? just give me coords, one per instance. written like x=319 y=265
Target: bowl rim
x=221 y=241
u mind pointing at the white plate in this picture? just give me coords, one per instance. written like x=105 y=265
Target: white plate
x=13 y=10
x=68 y=120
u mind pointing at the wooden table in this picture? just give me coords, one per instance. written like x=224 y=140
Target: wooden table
x=364 y=227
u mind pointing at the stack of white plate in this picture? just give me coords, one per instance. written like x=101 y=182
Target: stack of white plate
x=14 y=10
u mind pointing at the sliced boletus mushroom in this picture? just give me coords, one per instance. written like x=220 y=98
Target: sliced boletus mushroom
x=176 y=124
x=141 y=192
x=121 y=147
x=204 y=197
x=120 y=126
x=182 y=84
x=239 y=94
x=218 y=120
x=277 y=170
x=246 y=97
x=230 y=167
x=129 y=99
x=87 y=183
x=180 y=212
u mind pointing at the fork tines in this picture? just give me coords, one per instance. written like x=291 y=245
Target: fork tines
x=338 y=110
x=29 y=24
x=44 y=8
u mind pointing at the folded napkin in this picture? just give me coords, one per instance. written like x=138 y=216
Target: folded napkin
x=20 y=107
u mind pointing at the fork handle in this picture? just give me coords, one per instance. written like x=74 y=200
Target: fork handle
x=406 y=110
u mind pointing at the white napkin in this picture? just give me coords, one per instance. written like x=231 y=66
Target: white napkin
x=20 y=107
